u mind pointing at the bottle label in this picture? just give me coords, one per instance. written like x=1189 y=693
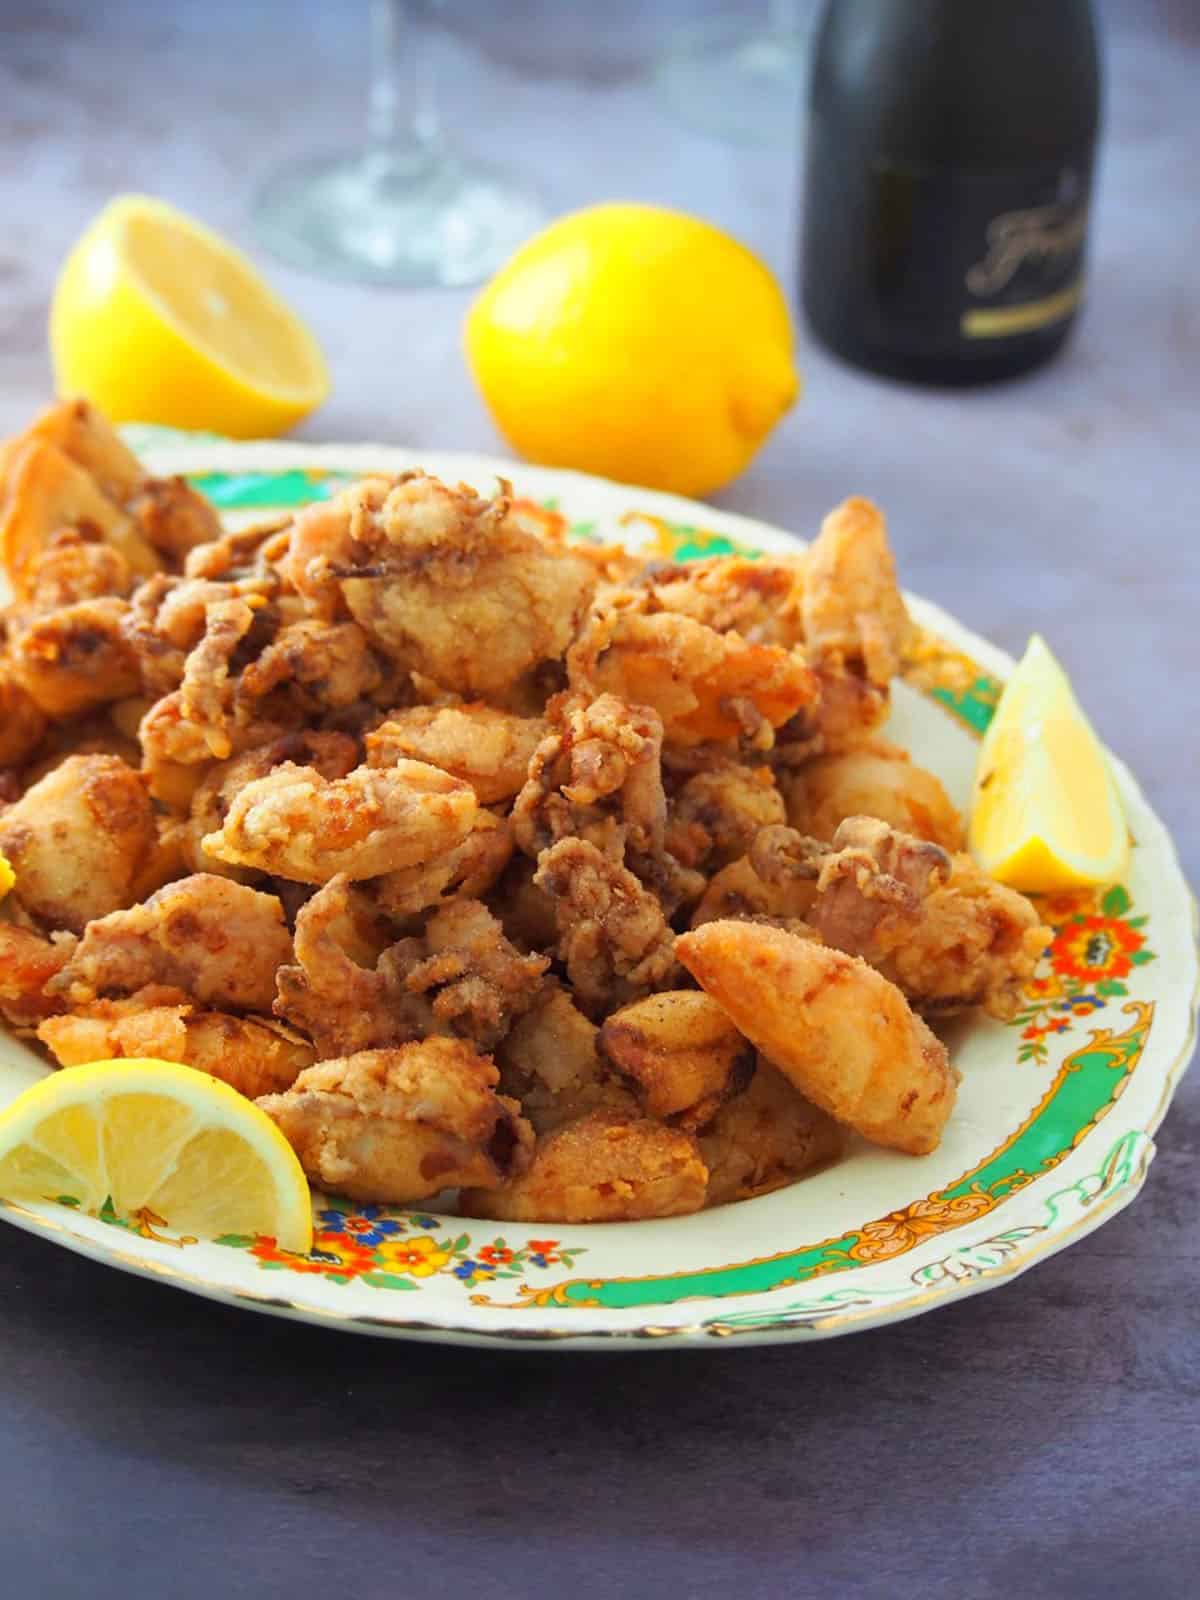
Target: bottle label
x=979 y=256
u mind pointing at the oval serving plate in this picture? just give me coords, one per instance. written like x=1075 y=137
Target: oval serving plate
x=1052 y=1134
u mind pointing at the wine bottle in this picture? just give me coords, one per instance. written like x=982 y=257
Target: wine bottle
x=949 y=172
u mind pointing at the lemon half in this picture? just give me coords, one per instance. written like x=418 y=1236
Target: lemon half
x=1046 y=814
x=160 y=1139
x=155 y=318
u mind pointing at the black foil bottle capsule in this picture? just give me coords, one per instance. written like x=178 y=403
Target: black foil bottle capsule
x=949 y=173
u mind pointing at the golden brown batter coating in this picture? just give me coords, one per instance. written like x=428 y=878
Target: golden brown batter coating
x=841 y=1033
x=254 y=1055
x=218 y=941
x=680 y=1053
x=78 y=841
x=601 y=1168
x=396 y=1126
x=296 y=824
x=766 y=1137
x=936 y=925
x=444 y=581
x=613 y=939
x=876 y=779
x=487 y=748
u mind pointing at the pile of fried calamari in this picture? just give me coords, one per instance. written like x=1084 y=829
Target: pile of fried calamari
x=583 y=886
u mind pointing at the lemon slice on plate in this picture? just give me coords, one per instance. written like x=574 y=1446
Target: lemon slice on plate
x=155 y=318
x=158 y=1139
x=1046 y=813
x=7 y=876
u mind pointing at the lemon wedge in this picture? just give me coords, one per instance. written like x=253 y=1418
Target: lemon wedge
x=160 y=1141
x=7 y=876
x=155 y=318
x=1046 y=814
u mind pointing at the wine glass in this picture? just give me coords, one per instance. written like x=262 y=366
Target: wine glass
x=736 y=82
x=405 y=208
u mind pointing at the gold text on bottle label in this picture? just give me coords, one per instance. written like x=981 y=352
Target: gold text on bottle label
x=1037 y=234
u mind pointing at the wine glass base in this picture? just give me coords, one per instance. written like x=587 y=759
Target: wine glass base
x=437 y=223
x=737 y=85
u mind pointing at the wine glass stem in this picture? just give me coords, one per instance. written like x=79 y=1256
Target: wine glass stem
x=403 y=131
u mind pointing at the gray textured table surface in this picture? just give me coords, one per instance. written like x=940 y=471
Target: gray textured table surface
x=1041 y=1440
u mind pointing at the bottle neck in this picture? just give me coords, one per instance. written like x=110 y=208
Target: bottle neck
x=978 y=84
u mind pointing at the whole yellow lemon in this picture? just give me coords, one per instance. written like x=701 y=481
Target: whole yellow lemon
x=636 y=343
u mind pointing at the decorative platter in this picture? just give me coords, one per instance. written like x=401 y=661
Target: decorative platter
x=1052 y=1134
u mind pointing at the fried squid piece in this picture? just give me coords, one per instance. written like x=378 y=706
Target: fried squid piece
x=877 y=779
x=75 y=567
x=764 y=1138
x=612 y=935
x=760 y=600
x=296 y=824
x=333 y=755
x=218 y=941
x=173 y=517
x=166 y=513
x=856 y=627
x=551 y=1063
x=27 y=964
x=601 y=1168
x=471 y=870
x=80 y=840
x=715 y=814
x=254 y=1055
x=168 y=617
x=256 y=551
x=322 y=666
x=356 y=989
x=841 y=1033
x=680 y=1052
x=475 y=981
x=739 y=891
x=89 y=440
x=871 y=882
x=22 y=722
x=854 y=615
x=206 y=691
x=345 y=991
x=487 y=748
x=447 y=583
x=597 y=775
x=937 y=926
x=74 y=658
x=395 y=1126
x=526 y=912
x=176 y=751
x=703 y=684
x=47 y=492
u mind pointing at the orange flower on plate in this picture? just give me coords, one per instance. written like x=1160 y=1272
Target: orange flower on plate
x=1095 y=948
x=420 y=1257
x=495 y=1255
x=1044 y=989
x=332 y=1256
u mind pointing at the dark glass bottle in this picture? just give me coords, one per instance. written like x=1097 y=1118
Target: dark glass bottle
x=950 y=150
